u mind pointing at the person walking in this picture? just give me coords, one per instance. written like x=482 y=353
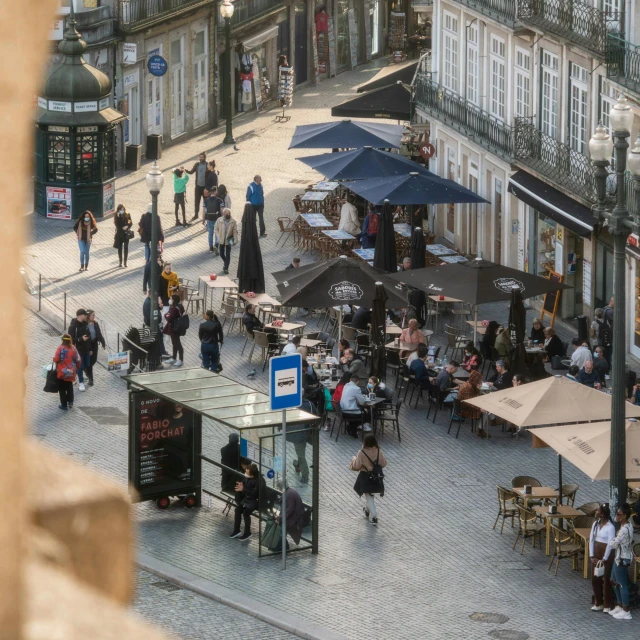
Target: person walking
x=175 y=311
x=211 y=339
x=123 y=223
x=369 y=462
x=212 y=212
x=622 y=543
x=211 y=176
x=200 y=169
x=96 y=338
x=168 y=285
x=255 y=195
x=223 y=194
x=144 y=229
x=226 y=231
x=79 y=332
x=180 y=179
x=68 y=364
x=602 y=533
x=146 y=273
x=85 y=228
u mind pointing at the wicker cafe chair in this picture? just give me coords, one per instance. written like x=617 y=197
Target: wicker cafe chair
x=589 y=508
x=286 y=229
x=506 y=506
x=563 y=546
x=569 y=493
x=521 y=481
x=580 y=522
x=528 y=528
x=636 y=561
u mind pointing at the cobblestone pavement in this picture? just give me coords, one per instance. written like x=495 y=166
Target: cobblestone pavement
x=433 y=561
x=193 y=617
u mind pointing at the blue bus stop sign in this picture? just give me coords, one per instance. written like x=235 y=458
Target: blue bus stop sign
x=157 y=65
x=285 y=382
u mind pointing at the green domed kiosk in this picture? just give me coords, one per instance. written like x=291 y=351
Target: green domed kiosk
x=75 y=137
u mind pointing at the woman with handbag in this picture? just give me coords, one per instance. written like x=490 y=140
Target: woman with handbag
x=602 y=532
x=96 y=338
x=67 y=362
x=176 y=311
x=369 y=461
x=249 y=487
x=124 y=233
x=85 y=228
x=622 y=543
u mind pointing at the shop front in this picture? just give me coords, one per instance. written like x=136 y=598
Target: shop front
x=343 y=49
x=256 y=69
x=633 y=297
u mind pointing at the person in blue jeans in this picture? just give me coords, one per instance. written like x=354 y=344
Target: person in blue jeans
x=211 y=339
x=79 y=332
x=255 y=195
x=212 y=211
x=623 y=545
x=84 y=229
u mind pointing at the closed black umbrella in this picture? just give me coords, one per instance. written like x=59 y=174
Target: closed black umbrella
x=518 y=330
x=385 y=253
x=417 y=298
x=393 y=101
x=391 y=75
x=250 y=269
x=378 y=332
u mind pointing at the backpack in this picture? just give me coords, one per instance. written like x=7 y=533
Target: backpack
x=605 y=328
x=181 y=324
x=374 y=220
x=376 y=475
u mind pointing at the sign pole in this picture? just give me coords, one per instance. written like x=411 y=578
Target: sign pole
x=283 y=510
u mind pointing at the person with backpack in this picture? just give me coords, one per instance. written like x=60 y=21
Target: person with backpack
x=175 y=328
x=68 y=363
x=212 y=211
x=370 y=229
x=369 y=462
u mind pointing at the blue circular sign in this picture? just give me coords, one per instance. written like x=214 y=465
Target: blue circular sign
x=157 y=66
x=270 y=474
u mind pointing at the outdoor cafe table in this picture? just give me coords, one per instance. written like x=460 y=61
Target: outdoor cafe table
x=326 y=186
x=441 y=300
x=452 y=259
x=339 y=235
x=393 y=330
x=440 y=250
x=315 y=198
x=316 y=220
x=584 y=534
x=565 y=512
x=221 y=282
x=537 y=493
x=310 y=344
x=403 y=229
x=287 y=326
x=261 y=299
x=365 y=254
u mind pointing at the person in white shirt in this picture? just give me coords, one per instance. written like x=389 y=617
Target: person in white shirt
x=349 y=221
x=602 y=533
x=581 y=354
x=291 y=347
x=352 y=402
x=421 y=352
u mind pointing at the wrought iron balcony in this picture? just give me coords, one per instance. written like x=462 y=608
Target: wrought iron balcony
x=554 y=160
x=574 y=21
x=463 y=116
x=503 y=11
x=245 y=11
x=623 y=62
x=136 y=15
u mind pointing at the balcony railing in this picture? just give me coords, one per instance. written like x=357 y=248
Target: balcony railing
x=554 y=160
x=503 y=11
x=573 y=21
x=141 y=14
x=462 y=115
x=623 y=62
x=244 y=11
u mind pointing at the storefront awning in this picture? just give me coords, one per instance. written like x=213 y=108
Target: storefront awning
x=393 y=102
x=552 y=203
x=260 y=38
x=391 y=74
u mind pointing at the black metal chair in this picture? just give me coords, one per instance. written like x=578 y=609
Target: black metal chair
x=344 y=418
x=390 y=414
x=435 y=399
x=456 y=413
x=393 y=362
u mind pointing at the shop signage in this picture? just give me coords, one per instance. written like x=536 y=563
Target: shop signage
x=55 y=129
x=42 y=103
x=119 y=363
x=108 y=198
x=83 y=107
x=104 y=103
x=86 y=129
x=57 y=30
x=54 y=105
x=59 y=203
x=314 y=40
x=157 y=65
x=130 y=79
x=633 y=240
x=129 y=53
x=427 y=150
x=332 y=47
x=353 y=38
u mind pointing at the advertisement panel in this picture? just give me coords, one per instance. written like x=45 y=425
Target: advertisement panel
x=59 y=203
x=108 y=198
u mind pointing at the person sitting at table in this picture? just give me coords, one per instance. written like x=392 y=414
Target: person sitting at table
x=294 y=264
x=581 y=353
x=343 y=345
x=412 y=334
x=405 y=316
x=361 y=319
x=503 y=344
x=349 y=221
x=572 y=373
x=444 y=380
x=519 y=379
x=313 y=390
x=470 y=389
x=406 y=264
x=600 y=364
x=291 y=347
x=588 y=376
x=552 y=344
x=337 y=393
x=418 y=368
x=375 y=386
x=489 y=339
x=537 y=331
x=352 y=404
x=602 y=533
x=370 y=229
x=472 y=359
x=353 y=364
x=421 y=352
x=250 y=321
x=504 y=377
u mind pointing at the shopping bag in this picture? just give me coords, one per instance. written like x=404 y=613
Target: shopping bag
x=51 y=385
x=271 y=535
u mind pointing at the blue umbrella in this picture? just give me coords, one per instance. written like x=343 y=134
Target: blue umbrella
x=363 y=163
x=346 y=134
x=414 y=188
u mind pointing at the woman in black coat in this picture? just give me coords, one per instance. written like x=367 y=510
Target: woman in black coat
x=96 y=339
x=552 y=344
x=250 y=487
x=123 y=224
x=489 y=339
x=537 y=331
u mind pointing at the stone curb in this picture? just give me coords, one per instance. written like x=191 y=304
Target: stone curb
x=236 y=600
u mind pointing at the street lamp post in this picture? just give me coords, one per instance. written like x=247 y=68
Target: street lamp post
x=154 y=180
x=226 y=11
x=620 y=225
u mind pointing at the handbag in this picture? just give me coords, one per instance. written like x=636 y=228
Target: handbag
x=129 y=235
x=598 y=570
x=51 y=385
x=271 y=535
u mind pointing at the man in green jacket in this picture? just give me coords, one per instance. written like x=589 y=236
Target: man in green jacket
x=180 y=179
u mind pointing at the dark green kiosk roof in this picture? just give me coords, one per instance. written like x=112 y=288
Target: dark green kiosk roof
x=216 y=397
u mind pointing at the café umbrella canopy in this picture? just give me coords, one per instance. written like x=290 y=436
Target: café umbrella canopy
x=390 y=75
x=250 y=269
x=358 y=164
x=378 y=332
x=384 y=257
x=588 y=446
x=392 y=102
x=414 y=188
x=346 y=134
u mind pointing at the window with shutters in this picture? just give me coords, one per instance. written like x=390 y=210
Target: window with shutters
x=473 y=69
x=549 y=106
x=497 y=78
x=523 y=83
x=450 y=33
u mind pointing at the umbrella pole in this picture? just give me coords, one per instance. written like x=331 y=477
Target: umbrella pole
x=475 y=325
x=560 y=477
x=340 y=328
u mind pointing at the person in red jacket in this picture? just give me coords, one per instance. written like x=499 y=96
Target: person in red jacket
x=337 y=394
x=67 y=362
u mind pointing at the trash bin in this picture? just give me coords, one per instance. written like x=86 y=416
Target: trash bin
x=154 y=147
x=133 y=159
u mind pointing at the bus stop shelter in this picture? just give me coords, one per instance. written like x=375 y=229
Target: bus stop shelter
x=180 y=418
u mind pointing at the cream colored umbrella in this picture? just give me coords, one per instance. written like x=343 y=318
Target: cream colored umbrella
x=588 y=446
x=555 y=400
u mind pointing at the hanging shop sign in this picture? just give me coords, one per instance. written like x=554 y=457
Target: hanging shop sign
x=157 y=65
